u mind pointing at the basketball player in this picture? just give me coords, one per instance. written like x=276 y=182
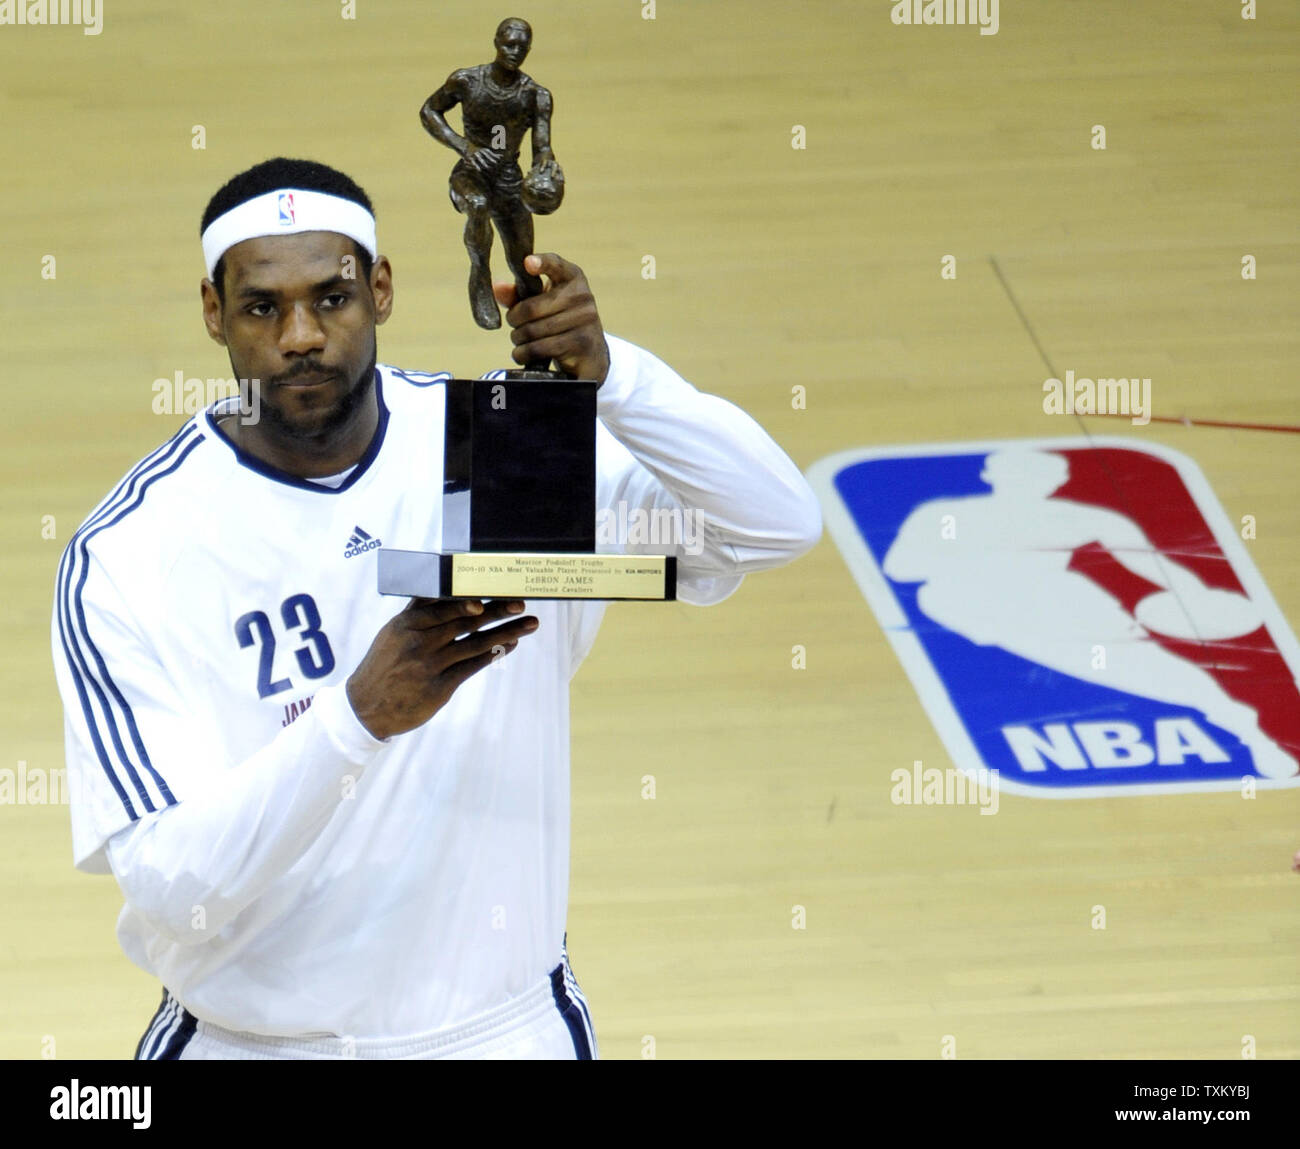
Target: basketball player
x=340 y=821
x=499 y=103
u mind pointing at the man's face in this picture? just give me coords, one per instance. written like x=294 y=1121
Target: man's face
x=299 y=321
x=512 y=48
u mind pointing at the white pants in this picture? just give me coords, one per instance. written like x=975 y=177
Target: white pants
x=549 y=1022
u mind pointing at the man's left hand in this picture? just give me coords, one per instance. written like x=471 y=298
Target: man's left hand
x=561 y=323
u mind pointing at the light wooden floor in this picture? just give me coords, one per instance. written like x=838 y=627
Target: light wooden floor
x=774 y=266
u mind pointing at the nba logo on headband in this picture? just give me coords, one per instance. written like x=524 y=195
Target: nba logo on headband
x=286 y=209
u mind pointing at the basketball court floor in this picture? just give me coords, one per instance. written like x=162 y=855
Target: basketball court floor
x=882 y=240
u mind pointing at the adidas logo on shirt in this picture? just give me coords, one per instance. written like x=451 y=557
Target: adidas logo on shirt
x=359 y=543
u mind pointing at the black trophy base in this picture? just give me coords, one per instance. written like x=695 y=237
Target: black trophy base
x=519 y=465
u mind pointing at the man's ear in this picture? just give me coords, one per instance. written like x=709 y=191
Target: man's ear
x=212 y=311
x=381 y=288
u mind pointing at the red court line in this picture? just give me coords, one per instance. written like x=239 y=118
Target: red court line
x=1186 y=422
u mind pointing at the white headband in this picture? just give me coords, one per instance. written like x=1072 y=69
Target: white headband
x=287 y=212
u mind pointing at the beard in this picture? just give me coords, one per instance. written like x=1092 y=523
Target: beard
x=319 y=434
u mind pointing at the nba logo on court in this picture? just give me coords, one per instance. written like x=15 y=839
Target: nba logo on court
x=1078 y=614
x=286 y=209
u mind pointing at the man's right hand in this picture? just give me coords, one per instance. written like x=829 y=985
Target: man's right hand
x=422 y=655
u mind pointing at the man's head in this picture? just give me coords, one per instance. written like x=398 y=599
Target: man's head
x=513 y=39
x=295 y=290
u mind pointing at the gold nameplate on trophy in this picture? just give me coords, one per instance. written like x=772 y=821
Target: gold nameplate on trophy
x=488 y=574
x=485 y=574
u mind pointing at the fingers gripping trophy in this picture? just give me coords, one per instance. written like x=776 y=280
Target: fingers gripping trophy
x=499 y=104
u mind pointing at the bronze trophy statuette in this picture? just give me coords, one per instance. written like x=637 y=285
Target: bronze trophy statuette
x=499 y=103
x=519 y=455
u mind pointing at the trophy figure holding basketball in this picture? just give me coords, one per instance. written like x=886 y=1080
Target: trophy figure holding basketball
x=499 y=104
